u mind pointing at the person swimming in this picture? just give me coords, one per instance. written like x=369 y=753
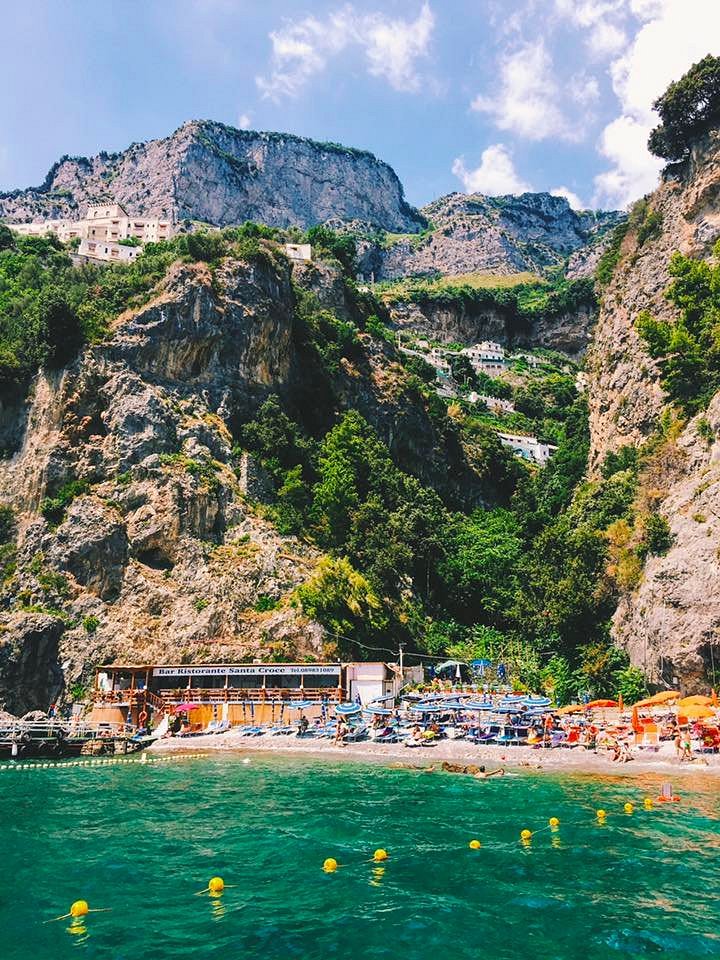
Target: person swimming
x=484 y=774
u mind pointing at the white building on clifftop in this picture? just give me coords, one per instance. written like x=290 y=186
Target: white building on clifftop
x=108 y=222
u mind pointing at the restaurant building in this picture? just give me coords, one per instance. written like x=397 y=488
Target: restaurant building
x=239 y=693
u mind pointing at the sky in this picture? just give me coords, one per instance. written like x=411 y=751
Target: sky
x=489 y=96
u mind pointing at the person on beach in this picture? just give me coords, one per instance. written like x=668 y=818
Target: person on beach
x=340 y=732
x=484 y=774
x=685 y=746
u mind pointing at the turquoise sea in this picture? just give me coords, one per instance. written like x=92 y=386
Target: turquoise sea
x=142 y=840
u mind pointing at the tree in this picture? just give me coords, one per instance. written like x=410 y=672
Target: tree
x=7 y=237
x=61 y=326
x=689 y=108
x=340 y=246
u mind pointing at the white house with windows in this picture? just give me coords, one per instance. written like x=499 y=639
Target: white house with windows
x=486 y=357
x=529 y=448
x=107 y=222
x=108 y=250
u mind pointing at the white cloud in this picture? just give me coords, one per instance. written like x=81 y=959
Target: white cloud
x=302 y=49
x=526 y=100
x=572 y=198
x=602 y=19
x=605 y=40
x=663 y=49
x=393 y=46
x=244 y=121
x=494 y=176
x=583 y=89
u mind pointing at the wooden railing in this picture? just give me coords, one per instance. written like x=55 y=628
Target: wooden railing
x=166 y=698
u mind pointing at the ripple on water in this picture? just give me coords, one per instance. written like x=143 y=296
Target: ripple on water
x=145 y=841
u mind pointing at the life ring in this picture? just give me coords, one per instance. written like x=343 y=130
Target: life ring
x=143 y=718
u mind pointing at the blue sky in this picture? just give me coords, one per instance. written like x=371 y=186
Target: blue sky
x=492 y=96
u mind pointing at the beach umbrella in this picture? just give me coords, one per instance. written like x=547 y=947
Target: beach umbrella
x=696 y=711
x=697 y=700
x=184 y=707
x=571 y=708
x=658 y=699
x=347 y=709
x=601 y=703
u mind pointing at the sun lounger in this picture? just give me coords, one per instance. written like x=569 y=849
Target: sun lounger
x=252 y=731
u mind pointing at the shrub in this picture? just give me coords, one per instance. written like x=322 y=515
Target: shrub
x=91 y=623
x=53 y=508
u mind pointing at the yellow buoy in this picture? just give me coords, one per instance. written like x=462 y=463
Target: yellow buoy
x=648 y=803
x=79 y=909
x=628 y=807
x=601 y=814
x=554 y=822
x=475 y=844
x=380 y=855
x=330 y=865
x=216 y=885
x=526 y=834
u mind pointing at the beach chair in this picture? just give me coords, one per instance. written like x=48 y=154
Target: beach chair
x=649 y=739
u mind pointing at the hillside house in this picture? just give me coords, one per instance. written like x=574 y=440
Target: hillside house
x=496 y=404
x=108 y=250
x=486 y=357
x=106 y=222
x=298 y=251
x=529 y=448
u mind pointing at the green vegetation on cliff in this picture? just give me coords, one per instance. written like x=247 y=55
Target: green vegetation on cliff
x=688 y=348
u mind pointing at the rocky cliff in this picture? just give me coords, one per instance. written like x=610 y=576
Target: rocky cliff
x=670 y=621
x=477 y=234
x=156 y=547
x=467 y=323
x=219 y=175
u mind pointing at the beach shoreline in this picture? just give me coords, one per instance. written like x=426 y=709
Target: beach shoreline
x=461 y=752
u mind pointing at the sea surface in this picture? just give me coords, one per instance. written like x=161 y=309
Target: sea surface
x=141 y=840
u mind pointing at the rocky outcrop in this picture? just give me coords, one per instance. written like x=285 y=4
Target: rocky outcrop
x=466 y=323
x=163 y=553
x=30 y=673
x=626 y=399
x=478 y=234
x=670 y=622
x=213 y=173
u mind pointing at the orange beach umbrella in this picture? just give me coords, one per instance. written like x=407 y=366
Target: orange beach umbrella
x=602 y=703
x=658 y=699
x=696 y=711
x=571 y=708
x=696 y=700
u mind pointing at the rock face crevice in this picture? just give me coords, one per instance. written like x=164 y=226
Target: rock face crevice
x=210 y=172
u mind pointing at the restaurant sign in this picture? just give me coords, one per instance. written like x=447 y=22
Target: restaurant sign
x=252 y=670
